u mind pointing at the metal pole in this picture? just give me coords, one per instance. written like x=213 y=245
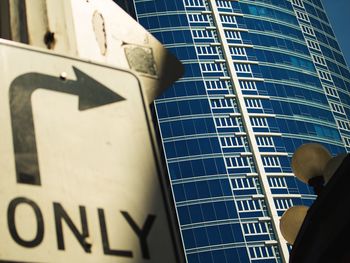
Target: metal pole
x=37 y=23
x=13 y=20
x=5 y=20
x=18 y=21
x=23 y=22
x=40 y=23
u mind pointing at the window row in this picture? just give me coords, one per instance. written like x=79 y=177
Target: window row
x=222 y=103
x=250 y=205
x=271 y=161
x=207 y=50
x=198 y=18
x=243 y=183
x=243 y=68
x=345 y=125
x=283 y=204
x=248 y=85
x=228 y=19
x=255 y=228
x=331 y=91
x=337 y=108
x=238 y=51
x=253 y=103
x=302 y=16
x=194 y=3
x=258 y=122
x=277 y=182
x=325 y=75
x=217 y=84
x=347 y=141
x=264 y=141
x=226 y=122
x=262 y=252
x=231 y=141
x=202 y=33
x=319 y=60
x=234 y=162
x=234 y=35
x=313 y=45
x=223 y=3
x=308 y=30
x=298 y=3
x=212 y=67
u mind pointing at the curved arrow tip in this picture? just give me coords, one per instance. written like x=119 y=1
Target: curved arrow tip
x=92 y=93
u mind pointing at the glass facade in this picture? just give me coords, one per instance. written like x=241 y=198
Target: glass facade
x=261 y=78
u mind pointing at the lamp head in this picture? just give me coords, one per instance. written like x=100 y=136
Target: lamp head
x=309 y=161
x=291 y=221
x=332 y=166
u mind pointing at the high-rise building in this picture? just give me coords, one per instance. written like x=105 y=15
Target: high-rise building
x=262 y=77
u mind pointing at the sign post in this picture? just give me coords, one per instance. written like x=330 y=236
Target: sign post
x=80 y=181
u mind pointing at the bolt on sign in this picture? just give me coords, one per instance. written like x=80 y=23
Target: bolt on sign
x=79 y=181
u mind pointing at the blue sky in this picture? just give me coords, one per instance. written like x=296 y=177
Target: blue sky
x=338 y=12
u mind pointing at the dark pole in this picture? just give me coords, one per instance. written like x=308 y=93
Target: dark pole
x=317 y=183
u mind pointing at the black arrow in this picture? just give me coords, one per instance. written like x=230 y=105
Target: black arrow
x=91 y=94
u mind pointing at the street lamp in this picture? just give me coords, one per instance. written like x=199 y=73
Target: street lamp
x=312 y=164
x=308 y=164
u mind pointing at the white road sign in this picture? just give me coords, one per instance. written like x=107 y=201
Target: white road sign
x=79 y=181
